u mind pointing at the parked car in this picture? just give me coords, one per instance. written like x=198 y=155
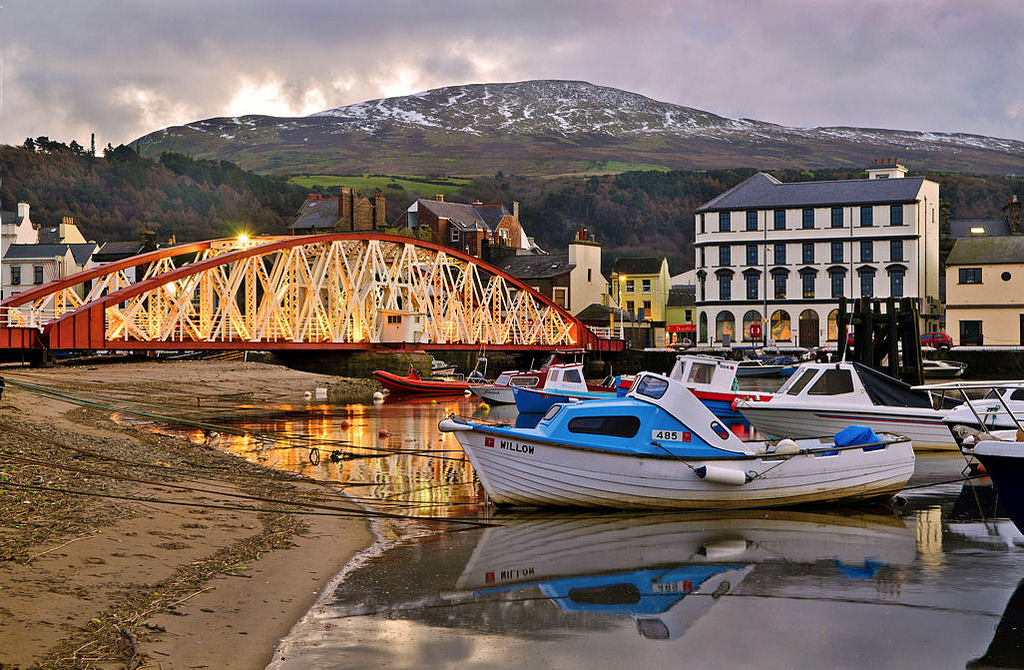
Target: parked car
x=937 y=340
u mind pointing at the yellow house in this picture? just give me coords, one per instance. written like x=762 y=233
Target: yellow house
x=640 y=286
x=985 y=291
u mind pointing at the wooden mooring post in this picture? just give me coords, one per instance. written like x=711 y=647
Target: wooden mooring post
x=886 y=336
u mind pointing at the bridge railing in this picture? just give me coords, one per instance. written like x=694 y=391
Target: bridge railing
x=27 y=316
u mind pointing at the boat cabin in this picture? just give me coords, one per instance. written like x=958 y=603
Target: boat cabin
x=850 y=384
x=705 y=373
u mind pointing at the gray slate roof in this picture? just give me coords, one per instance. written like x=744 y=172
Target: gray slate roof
x=763 y=191
x=466 y=217
x=10 y=217
x=682 y=297
x=115 y=251
x=637 y=266
x=987 y=250
x=600 y=315
x=80 y=252
x=962 y=227
x=536 y=266
x=316 y=215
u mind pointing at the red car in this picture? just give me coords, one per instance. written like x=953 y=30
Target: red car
x=936 y=340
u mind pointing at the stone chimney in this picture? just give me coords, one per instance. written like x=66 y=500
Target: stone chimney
x=515 y=210
x=379 y=220
x=1011 y=212
x=23 y=211
x=345 y=208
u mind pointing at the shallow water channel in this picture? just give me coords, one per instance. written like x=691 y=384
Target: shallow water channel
x=930 y=581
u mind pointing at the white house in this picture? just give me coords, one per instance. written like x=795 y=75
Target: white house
x=15 y=228
x=49 y=254
x=773 y=258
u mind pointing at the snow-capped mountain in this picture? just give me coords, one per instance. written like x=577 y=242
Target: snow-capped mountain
x=552 y=127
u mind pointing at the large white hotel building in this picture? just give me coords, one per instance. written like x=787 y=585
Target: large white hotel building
x=773 y=258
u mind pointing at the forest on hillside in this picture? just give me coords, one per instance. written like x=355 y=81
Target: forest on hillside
x=121 y=194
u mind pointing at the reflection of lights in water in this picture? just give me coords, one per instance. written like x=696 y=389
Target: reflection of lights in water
x=429 y=476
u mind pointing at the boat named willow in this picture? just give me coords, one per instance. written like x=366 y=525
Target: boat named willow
x=659 y=447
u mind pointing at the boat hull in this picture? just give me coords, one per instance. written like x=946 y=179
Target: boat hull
x=532 y=401
x=519 y=471
x=925 y=429
x=496 y=395
x=410 y=386
x=1004 y=463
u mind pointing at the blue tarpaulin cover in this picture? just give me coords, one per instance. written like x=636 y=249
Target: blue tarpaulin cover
x=851 y=436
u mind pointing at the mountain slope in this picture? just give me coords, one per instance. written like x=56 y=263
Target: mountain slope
x=555 y=127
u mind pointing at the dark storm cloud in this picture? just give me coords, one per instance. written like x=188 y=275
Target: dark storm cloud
x=122 y=69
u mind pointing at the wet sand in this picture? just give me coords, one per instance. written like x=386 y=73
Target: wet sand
x=157 y=569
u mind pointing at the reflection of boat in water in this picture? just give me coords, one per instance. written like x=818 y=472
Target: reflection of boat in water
x=667 y=571
x=1006 y=650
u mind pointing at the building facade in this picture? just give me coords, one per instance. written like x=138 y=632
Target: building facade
x=347 y=213
x=774 y=258
x=473 y=229
x=640 y=286
x=985 y=291
x=572 y=280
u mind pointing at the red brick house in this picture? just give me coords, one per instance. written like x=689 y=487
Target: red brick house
x=475 y=229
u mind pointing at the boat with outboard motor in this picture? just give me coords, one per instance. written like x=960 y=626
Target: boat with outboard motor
x=658 y=447
x=561 y=367
x=822 y=398
x=714 y=382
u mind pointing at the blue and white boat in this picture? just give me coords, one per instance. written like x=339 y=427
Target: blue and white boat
x=659 y=447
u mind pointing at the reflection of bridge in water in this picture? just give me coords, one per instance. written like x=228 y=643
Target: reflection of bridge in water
x=412 y=468
x=345 y=291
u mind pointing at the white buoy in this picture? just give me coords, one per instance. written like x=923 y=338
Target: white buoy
x=378 y=396
x=308 y=395
x=720 y=475
x=786 y=446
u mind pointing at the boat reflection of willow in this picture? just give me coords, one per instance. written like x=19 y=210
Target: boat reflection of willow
x=659 y=447
x=667 y=572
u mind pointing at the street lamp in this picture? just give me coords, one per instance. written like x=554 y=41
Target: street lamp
x=622 y=285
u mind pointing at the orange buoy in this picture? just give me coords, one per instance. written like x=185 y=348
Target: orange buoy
x=382 y=432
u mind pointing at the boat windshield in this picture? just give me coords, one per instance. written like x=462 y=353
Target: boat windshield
x=833 y=382
x=502 y=380
x=701 y=373
x=528 y=381
x=798 y=384
x=555 y=409
x=652 y=387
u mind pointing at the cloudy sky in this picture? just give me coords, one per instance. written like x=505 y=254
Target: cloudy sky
x=123 y=68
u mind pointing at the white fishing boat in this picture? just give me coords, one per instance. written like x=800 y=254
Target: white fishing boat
x=558 y=370
x=659 y=447
x=936 y=369
x=713 y=381
x=823 y=398
x=1001 y=409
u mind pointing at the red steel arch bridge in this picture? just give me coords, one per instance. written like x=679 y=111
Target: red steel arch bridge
x=343 y=291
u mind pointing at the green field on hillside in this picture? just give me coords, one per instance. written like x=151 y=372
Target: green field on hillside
x=367 y=184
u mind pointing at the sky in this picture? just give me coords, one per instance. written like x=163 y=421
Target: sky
x=124 y=68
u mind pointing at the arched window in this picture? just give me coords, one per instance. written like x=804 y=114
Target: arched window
x=781 y=328
x=703 y=327
x=833 y=326
x=749 y=319
x=725 y=327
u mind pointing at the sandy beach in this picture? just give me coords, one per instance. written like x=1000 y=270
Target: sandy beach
x=120 y=548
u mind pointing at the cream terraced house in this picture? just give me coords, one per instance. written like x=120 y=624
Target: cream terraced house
x=773 y=258
x=985 y=291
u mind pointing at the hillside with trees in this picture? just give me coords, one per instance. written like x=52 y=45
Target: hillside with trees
x=121 y=194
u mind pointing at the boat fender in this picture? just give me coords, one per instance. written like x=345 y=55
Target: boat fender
x=485 y=407
x=720 y=475
x=786 y=446
x=726 y=549
x=467 y=393
x=1020 y=435
x=378 y=396
x=450 y=425
x=735 y=402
